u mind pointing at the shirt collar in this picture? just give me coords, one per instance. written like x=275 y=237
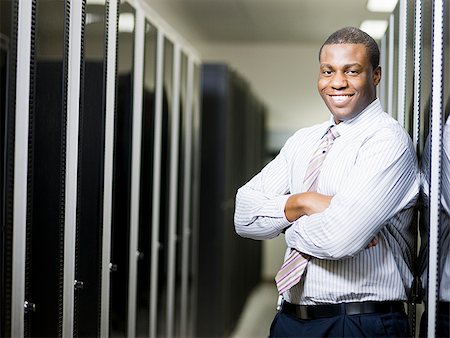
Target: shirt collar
x=362 y=118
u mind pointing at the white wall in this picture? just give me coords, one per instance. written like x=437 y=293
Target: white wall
x=284 y=77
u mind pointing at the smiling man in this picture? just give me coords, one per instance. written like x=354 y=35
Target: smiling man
x=343 y=193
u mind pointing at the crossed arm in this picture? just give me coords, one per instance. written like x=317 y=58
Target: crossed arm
x=308 y=203
x=383 y=183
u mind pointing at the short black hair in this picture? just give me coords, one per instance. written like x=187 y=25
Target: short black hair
x=354 y=35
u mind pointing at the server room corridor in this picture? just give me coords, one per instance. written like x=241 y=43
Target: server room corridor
x=128 y=126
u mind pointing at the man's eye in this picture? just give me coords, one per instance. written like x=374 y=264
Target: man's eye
x=352 y=72
x=326 y=72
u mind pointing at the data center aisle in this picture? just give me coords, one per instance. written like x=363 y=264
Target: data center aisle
x=258 y=312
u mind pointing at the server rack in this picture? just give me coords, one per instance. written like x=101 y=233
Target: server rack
x=425 y=56
x=79 y=129
x=233 y=151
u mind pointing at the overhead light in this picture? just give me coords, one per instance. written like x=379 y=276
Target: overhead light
x=93 y=18
x=381 y=5
x=96 y=2
x=375 y=28
x=126 y=22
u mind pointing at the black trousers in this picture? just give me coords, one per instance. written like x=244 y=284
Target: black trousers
x=394 y=324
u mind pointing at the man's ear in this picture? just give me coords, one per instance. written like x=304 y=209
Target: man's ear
x=377 y=75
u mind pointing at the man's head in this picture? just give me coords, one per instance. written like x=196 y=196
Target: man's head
x=349 y=72
x=352 y=35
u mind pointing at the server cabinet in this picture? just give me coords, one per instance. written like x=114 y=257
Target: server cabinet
x=44 y=272
x=41 y=135
x=146 y=184
x=189 y=301
x=78 y=252
x=181 y=241
x=88 y=246
x=232 y=130
x=435 y=321
x=8 y=45
x=164 y=193
x=121 y=209
x=120 y=222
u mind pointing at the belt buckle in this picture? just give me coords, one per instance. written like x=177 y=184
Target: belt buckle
x=353 y=309
x=304 y=312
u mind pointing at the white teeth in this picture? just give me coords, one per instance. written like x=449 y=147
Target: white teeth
x=340 y=98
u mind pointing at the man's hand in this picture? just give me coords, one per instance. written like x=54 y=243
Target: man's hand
x=306 y=203
x=373 y=242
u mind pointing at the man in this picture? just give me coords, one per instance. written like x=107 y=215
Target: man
x=351 y=224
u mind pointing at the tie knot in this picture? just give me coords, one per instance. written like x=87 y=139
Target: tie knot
x=332 y=133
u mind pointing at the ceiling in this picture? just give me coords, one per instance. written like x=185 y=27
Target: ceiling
x=261 y=21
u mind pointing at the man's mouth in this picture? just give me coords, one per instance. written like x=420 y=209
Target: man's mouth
x=340 y=98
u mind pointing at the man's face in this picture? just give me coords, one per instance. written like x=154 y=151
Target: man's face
x=347 y=82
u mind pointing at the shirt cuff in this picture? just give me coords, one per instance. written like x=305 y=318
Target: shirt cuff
x=279 y=207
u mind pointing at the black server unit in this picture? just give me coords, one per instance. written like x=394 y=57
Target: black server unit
x=120 y=227
x=45 y=228
x=90 y=206
x=8 y=47
x=45 y=235
x=145 y=215
x=232 y=152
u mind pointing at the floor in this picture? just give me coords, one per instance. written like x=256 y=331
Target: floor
x=258 y=312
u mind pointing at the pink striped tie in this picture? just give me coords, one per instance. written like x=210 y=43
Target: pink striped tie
x=295 y=263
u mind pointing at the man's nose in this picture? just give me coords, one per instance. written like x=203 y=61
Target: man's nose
x=339 y=80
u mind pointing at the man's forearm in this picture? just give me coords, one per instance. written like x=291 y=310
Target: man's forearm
x=306 y=203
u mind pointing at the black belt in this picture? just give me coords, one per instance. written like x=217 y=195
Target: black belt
x=330 y=310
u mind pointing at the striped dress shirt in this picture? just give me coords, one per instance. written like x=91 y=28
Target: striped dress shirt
x=371 y=171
